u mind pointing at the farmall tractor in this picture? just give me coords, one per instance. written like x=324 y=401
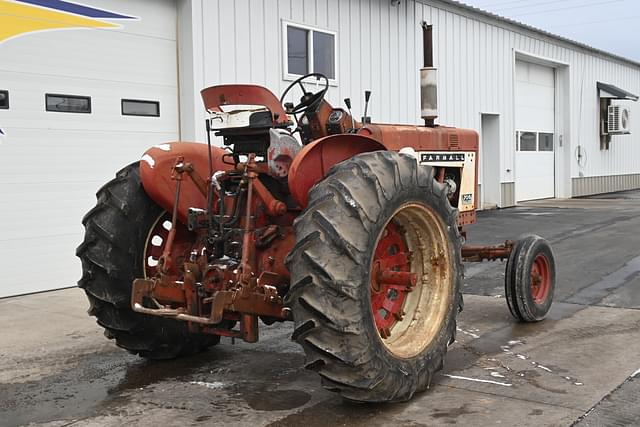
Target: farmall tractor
x=352 y=230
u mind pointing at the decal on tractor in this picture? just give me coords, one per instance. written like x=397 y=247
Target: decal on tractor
x=440 y=157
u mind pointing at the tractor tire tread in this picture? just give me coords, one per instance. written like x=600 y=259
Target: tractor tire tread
x=517 y=279
x=329 y=254
x=113 y=230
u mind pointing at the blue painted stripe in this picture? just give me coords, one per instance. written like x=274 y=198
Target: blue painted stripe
x=77 y=9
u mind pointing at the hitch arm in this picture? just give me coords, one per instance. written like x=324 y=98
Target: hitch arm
x=472 y=253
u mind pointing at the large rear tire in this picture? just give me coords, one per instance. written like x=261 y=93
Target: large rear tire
x=376 y=277
x=117 y=233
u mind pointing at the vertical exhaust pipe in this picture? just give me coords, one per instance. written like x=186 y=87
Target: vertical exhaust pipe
x=428 y=79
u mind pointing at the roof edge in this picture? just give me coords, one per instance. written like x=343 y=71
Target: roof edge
x=510 y=21
x=616 y=91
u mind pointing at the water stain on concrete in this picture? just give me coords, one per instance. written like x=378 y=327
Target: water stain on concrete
x=531 y=377
x=459 y=359
x=448 y=416
x=336 y=412
x=102 y=383
x=493 y=342
x=597 y=291
x=276 y=400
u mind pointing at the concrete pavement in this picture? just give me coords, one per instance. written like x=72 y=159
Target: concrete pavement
x=57 y=369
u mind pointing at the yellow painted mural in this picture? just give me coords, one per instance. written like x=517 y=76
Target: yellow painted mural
x=22 y=17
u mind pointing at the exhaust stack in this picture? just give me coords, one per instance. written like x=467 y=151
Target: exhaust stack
x=428 y=79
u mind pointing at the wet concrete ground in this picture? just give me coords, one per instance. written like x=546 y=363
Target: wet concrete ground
x=57 y=369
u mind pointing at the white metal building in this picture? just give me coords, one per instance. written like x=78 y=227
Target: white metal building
x=77 y=105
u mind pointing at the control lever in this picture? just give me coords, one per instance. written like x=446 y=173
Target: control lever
x=288 y=107
x=347 y=102
x=367 y=96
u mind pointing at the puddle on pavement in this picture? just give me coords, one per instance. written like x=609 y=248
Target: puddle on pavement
x=449 y=416
x=271 y=380
x=95 y=383
x=104 y=383
x=276 y=400
x=336 y=411
x=459 y=358
x=492 y=342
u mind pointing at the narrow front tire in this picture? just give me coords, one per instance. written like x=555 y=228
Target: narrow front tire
x=530 y=279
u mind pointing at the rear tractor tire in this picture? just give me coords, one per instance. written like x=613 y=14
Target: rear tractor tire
x=376 y=277
x=122 y=237
x=530 y=279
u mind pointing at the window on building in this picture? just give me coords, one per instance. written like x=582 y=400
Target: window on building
x=324 y=60
x=68 y=103
x=137 y=107
x=528 y=141
x=4 y=99
x=545 y=141
x=297 y=51
x=309 y=50
x=534 y=141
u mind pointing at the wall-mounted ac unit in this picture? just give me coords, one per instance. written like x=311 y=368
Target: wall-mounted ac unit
x=618 y=120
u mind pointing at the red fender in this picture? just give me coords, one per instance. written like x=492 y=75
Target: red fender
x=155 y=173
x=314 y=161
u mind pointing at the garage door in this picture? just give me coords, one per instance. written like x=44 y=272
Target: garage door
x=535 y=124
x=81 y=104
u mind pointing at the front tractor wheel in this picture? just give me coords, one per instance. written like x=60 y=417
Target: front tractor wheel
x=376 y=275
x=530 y=279
x=124 y=238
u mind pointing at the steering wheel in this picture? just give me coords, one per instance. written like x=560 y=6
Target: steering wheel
x=309 y=100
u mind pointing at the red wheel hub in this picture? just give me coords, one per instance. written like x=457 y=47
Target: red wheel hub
x=156 y=241
x=391 y=279
x=540 y=279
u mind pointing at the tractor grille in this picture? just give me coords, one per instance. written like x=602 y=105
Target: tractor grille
x=454 y=141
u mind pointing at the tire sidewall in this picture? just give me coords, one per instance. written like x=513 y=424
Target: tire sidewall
x=113 y=255
x=428 y=198
x=526 y=254
x=330 y=265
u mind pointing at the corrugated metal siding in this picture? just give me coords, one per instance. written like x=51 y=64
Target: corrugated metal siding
x=378 y=50
x=508 y=194
x=604 y=184
x=381 y=49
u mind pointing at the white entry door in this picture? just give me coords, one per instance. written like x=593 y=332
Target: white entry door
x=535 y=124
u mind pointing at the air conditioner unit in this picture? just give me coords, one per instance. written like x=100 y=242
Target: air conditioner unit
x=618 y=121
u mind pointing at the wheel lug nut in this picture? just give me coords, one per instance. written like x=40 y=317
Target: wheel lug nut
x=384 y=333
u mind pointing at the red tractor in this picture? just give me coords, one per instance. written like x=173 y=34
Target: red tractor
x=352 y=230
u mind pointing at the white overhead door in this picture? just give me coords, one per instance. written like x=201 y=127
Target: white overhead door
x=535 y=127
x=68 y=127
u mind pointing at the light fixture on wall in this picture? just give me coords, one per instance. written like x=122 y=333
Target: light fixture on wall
x=395 y=2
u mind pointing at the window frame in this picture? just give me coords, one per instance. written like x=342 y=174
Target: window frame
x=144 y=101
x=310 y=58
x=519 y=132
x=553 y=142
x=62 y=95
x=6 y=93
